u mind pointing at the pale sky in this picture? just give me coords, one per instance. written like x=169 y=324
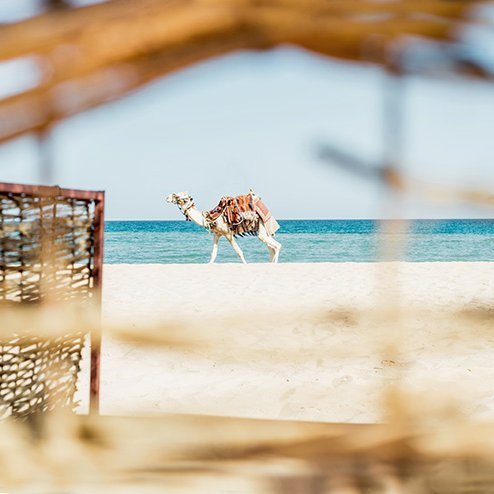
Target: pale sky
x=254 y=120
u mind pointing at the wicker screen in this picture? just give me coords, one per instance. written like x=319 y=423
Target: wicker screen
x=50 y=252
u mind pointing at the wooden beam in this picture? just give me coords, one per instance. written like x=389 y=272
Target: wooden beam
x=96 y=54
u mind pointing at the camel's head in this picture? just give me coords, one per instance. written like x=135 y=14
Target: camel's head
x=181 y=199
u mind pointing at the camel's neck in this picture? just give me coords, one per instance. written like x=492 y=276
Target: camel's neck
x=196 y=216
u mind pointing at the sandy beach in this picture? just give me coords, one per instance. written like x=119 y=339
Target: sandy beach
x=299 y=341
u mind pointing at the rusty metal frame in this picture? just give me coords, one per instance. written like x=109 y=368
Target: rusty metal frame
x=99 y=199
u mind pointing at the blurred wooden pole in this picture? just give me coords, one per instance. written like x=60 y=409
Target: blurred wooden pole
x=56 y=4
x=46 y=157
x=393 y=118
x=101 y=52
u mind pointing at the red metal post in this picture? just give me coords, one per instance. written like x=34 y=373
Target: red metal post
x=51 y=191
x=99 y=229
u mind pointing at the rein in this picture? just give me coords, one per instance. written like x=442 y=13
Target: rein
x=185 y=209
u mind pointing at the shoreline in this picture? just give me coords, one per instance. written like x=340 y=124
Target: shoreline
x=292 y=263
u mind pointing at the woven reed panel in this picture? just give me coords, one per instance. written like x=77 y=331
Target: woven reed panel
x=47 y=249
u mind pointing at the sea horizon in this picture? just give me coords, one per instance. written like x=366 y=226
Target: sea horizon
x=320 y=219
x=315 y=240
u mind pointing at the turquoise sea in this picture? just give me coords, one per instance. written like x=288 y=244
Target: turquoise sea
x=150 y=242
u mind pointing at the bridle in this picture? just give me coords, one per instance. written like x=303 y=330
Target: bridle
x=186 y=206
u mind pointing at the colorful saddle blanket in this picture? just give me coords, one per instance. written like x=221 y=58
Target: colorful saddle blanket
x=242 y=213
x=232 y=208
x=271 y=225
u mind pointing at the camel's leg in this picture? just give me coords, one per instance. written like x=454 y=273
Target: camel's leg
x=273 y=245
x=214 y=252
x=236 y=248
x=263 y=237
x=277 y=247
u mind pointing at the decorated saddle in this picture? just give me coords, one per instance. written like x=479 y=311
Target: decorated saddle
x=242 y=213
x=232 y=209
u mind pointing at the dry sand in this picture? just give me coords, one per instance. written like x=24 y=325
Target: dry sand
x=278 y=356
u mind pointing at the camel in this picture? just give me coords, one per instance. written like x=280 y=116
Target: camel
x=250 y=222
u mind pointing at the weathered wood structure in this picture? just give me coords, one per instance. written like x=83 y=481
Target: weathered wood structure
x=51 y=252
x=88 y=56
